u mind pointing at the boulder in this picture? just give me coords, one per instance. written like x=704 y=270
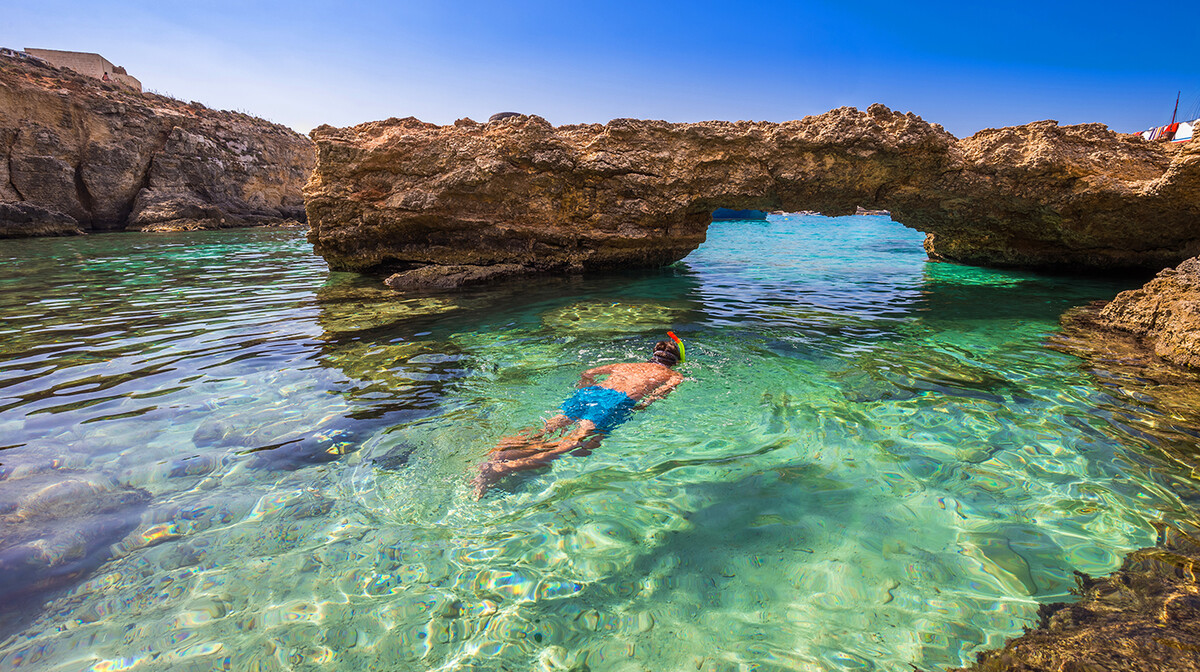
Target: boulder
x=22 y=220
x=446 y=277
x=56 y=526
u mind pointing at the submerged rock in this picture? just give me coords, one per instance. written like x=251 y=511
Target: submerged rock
x=1143 y=618
x=400 y=194
x=396 y=458
x=56 y=526
x=77 y=155
x=444 y=277
x=1142 y=348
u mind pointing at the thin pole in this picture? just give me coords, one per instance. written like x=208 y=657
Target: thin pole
x=1176 y=107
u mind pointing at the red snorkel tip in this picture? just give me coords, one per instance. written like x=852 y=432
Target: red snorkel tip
x=679 y=344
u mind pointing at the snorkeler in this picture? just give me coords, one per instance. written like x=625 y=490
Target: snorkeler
x=589 y=414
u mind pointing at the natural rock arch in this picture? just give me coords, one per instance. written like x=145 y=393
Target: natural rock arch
x=521 y=195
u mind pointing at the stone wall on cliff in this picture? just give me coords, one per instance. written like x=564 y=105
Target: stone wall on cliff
x=77 y=154
x=401 y=194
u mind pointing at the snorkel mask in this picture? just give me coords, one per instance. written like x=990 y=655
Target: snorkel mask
x=678 y=344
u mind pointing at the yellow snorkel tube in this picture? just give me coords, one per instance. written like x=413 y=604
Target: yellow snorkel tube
x=678 y=344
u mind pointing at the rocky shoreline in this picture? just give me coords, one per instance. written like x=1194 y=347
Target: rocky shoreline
x=1145 y=617
x=80 y=155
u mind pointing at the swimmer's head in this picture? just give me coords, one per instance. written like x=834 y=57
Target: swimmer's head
x=665 y=353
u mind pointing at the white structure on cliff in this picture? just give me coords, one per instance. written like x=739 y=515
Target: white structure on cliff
x=85 y=63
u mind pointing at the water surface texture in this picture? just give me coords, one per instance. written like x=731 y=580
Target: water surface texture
x=875 y=462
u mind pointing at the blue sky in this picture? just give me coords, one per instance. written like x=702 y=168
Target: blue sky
x=964 y=65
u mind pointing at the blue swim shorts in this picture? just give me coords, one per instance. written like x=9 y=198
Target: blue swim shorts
x=604 y=407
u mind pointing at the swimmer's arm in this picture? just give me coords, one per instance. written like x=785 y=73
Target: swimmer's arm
x=660 y=391
x=589 y=377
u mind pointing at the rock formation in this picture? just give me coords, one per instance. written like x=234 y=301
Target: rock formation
x=1143 y=348
x=1164 y=314
x=78 y=154
x=56 y=526
x=1143 y=618
x=401 y=194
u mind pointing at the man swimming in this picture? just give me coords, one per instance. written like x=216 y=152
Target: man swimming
x=588 y=415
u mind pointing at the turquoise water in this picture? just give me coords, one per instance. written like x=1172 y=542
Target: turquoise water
x=874 y=462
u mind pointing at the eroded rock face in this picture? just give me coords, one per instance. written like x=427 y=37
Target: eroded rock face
x=1164 y=314
x=77 y=154
x=401 y=194
x=22 y=220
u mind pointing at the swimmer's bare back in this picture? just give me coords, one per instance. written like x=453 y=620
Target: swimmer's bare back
x=641 y=381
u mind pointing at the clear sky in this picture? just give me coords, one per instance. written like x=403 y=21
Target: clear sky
x=967 y=65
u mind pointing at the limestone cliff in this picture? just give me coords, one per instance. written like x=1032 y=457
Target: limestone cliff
x=77 y=154
x=401 y=194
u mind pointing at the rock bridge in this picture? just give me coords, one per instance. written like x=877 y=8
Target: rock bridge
x=470 y=201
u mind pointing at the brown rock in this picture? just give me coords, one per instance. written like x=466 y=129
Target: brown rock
x=1165 y=314
x=1142 y=618
x=446 y=277
x=400 y=193
x=110 y=159
x=22 y=220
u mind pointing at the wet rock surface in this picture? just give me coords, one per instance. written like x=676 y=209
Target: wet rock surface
x=1143 y=618
x=77 y=154
x=455 y=275
x=400 y=194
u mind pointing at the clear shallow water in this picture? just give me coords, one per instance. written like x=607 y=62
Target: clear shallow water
x=874 y=462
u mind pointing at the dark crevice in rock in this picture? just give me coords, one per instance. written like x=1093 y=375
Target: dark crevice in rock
x=82 y=193
x=11 y=182
x=147 y=171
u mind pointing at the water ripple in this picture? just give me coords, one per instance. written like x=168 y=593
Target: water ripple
x=873 y=464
